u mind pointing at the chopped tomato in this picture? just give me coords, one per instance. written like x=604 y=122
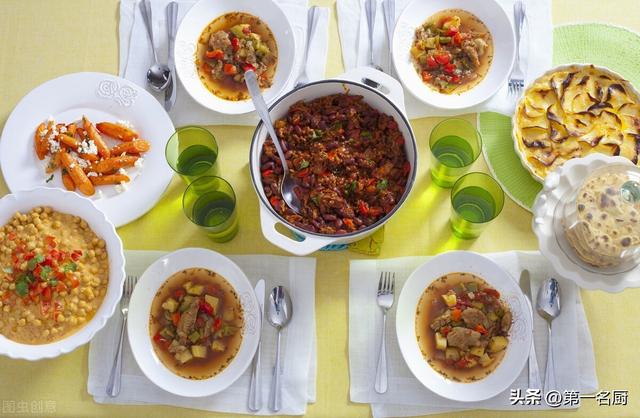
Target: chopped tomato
x=76 y=254
x=50 y=241
x=456 y=314
x=217 y=324
x=230 y=69
x=178 y=293
x=46 y=293
x=275 y=202
x=457 y=39
x=481 y=329
x=431 y=62
x=449 y=68
x=206 y=67
x=248 y=67
x=455 y=79
x=160 y=340
x=462 y=363
x=445 y=330
x=375 y=211
x=452 y=31
x=348 y=222
x=363 y=208
x=216 y=54
x=443 y=58
x=205 y=307
x=492 y=292
x=235 y=44
x=426 y=76
x=304 y=172
x=267 y=173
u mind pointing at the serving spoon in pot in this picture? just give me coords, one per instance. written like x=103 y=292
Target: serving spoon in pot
x=288 y=183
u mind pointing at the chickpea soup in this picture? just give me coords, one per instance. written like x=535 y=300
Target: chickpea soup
x=54 y=272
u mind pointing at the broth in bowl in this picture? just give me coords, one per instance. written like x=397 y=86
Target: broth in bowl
x=462 y=327
x=196 y=323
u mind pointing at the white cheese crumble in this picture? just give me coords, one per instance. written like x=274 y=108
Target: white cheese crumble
x=63 y=129
x=83 y=163
x=54 y=146
x=88 y=147
x=92 y=174
x=72 y=165
x=122 y=171
x=139 y=163
x=119 y=188
x=125 y=123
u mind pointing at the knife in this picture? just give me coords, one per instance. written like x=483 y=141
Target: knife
x=172 y=23
x=534 y=372
x=255 y=388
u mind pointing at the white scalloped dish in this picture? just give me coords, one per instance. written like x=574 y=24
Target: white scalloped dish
x=71 y=203
x=558 y=186
x=139 y=324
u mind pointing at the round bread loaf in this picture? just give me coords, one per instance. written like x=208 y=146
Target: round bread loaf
x=608 y=221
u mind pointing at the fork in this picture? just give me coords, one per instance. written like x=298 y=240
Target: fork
x=516 y=80
x=386 y=288
x=113 y=386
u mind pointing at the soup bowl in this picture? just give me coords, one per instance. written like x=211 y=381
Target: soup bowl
x=520 y=334
x=138 y=327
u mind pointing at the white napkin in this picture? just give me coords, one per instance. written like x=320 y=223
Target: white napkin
x=536 y=49
x=572 y=346
x=136 y=56
x=298 y=349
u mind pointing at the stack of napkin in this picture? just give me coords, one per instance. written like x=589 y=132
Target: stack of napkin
x=536 y=49
x=136 y=56
x=572 y=346
x=298 y=345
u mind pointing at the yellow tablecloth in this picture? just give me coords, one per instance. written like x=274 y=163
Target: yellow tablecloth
x=42 y=39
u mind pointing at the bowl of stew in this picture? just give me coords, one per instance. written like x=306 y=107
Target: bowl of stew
x=218 y=41
x=453 y=54
x=464 y=327
x=194 y=323
x=353 y=152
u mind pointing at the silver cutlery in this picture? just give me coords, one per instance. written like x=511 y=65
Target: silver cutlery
x=255 y=387
x=548 y=304
x=370 y=9
x=288 y=183
x=389 y=9
x=113 y=385
x=312 y=18
x=158 y=75
x=534 y=372
x=172 y=27
x=385 y=297
x=280 y=311
x=516 y=79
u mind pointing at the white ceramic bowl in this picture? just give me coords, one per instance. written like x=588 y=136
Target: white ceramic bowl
x=514 y=119
x=491 y=14
x=557 y=185
x=72 y=203
x=519 y=336
x=140 y=308
x=198 y=17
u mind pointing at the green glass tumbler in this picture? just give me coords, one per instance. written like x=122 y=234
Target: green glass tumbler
x=476 y=200
x=210 y=203
x=455 y=145
x=192 y=152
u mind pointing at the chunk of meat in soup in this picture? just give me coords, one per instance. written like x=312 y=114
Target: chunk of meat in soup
x=473 y=317
x=463 y=338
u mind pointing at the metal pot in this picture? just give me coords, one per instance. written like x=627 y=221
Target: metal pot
x=387 y=97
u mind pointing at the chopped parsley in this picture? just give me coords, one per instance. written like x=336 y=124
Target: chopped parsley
x=303 y=164
x=351 y=187
x=382 y=184
x=316 y=200
x=22 y=288
x=31 y=264
x=69 y=267
x=49 y=179
x=45 y=272
x=366 y=134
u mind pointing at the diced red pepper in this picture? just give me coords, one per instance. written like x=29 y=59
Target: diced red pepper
x=449 y=68
x=230 y=69
x=363 y=208
x=445 y=330
x=267 y=173
x=175 y=318
x=443 y=58
x=178 y=293
x=160 y=340
x=304 y=172
x=452 y=31
x=247 y=67
x=50 y=241
x=481 y=329
x=455 y=79
x=235 y=44
x=348 y=222
x=76 y=254
x=426 y=76
x=492 y=292
x=462 y=363
x=457 y=38
x=217 y=323
x=456 y=314
x=216 y=54
x=46 y=293
x=431 y=62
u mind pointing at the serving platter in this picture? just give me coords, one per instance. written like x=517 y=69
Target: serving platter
x=101 y=97
x=520 y=335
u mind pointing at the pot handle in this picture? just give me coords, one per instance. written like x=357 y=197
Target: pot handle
x=378 y=80
x=309 y=245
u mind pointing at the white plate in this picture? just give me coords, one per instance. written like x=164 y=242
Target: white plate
x=68 y=202
x=519 y=336
x=140 y=308
x=101 y=97
x=491 y=14
x=557 y=184
x=199 y=16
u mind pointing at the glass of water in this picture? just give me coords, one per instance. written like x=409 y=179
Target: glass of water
x=192 y=152
x=210 y=203
x=476 y=200
x=455 y=145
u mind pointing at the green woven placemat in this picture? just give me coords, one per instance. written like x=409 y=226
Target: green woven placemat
x=609 y=46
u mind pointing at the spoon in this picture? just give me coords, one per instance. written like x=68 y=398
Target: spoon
x=288 y=183
x=548 y=306
x=279 y=315
x=158 y=75
x=311 y=27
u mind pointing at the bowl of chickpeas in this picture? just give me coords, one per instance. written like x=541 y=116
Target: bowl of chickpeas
x=61 y=272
